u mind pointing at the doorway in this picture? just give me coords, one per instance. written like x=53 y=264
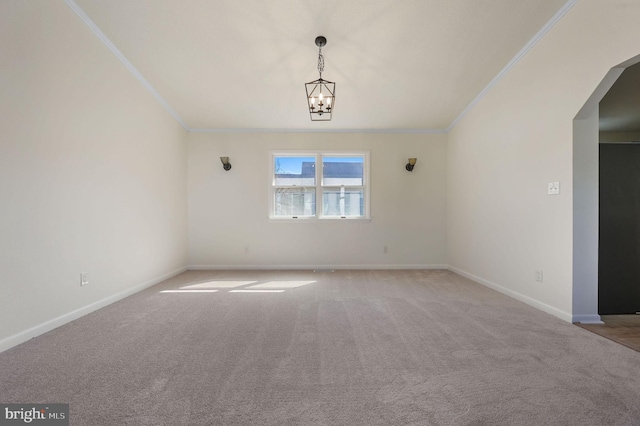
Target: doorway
x=602 y=119
x=619 y=232
x=619 y=196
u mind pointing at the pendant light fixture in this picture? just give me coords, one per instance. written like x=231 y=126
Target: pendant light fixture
x=321 y=98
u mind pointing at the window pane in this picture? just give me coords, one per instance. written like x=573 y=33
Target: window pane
x=294 y=202
x=338 y=171
x=294 y=171
x=343 y=202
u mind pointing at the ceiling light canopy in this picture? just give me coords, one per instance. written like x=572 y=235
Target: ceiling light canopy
x=320 y=93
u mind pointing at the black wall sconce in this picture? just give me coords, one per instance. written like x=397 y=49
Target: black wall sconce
x=410 y=165
x=225 y=163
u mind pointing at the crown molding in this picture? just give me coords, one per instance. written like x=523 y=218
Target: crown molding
x=536 y=38
x=105 y=40
x=249 y=130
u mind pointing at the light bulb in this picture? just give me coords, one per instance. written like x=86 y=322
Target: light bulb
x=320 y=97
x=329 y=101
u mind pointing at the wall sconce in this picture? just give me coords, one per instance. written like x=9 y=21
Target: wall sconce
x=411 y=164
x=225 y=163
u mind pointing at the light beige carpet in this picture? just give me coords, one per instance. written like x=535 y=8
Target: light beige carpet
x=341 y=348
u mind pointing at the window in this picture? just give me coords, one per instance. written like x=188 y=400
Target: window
x=319 y=185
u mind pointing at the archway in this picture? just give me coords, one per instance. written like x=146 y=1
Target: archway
x=585 y=200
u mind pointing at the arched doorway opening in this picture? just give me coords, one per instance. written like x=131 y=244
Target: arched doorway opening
x=586 y=180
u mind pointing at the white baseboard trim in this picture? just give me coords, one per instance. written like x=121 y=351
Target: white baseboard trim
x=311 y=267
x=47 y=326
x=514 y=294
x=587 y=319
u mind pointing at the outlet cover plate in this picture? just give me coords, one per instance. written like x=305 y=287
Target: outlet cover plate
x=553 y=188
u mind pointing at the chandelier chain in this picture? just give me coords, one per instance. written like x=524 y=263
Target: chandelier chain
x=320 y=61
x=320 y=93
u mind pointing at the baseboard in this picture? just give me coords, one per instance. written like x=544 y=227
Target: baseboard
x=587 y=319
x=311 y=267
x=47 y=326
x=514 y=294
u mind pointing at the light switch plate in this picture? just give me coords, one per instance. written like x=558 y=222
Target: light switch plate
x=553 y=188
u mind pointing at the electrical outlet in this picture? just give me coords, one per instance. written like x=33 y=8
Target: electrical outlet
x=84 y=279
x=539 y=275
x=553 y=188
x=385 y=249
x=246 y=249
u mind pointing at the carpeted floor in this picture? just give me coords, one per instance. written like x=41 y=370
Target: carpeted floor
x=325 y=348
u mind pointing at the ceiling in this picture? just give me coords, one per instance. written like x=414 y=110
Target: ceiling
x=399 y=65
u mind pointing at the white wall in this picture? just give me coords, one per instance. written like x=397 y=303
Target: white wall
x=501 y=224
x=586 y=219
x=92 y=174
x=228 y=210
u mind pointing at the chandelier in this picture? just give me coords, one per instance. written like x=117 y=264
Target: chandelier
x=320 y=93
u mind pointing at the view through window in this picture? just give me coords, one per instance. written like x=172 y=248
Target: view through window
x=319 y=185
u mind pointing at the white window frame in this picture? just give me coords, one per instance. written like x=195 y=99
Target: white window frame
x=319 y=184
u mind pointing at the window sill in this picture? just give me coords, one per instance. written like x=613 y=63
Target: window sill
x=318 y=219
